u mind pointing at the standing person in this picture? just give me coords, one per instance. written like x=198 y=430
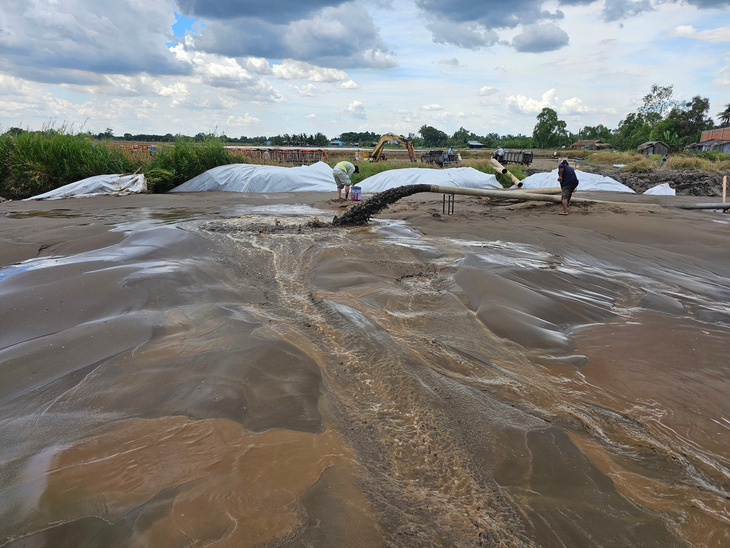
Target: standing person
x=568 y=183
x=342 y=173
x=664 y=159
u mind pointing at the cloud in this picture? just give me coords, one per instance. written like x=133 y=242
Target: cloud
x=357 y=110
x=307 y=90
x=76 y=40
x=453 y=62
x=285 y=10
x=486 y=90
x=350 y=84
x=718 y=35
x=224 y=72
x=527 y=105
x=540 y=38
x=242 y=121
x=342 y=35
x=723 y=75
x=311 y=116
x=615 y=10
x=490 y=14
x=431 y=107
x=469 y=35
x=299 y=70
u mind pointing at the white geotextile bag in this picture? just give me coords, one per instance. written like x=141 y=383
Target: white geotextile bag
x=99 y=185
x=462 y=177
x=586 y=181
x=257 y=178
x=661 y=190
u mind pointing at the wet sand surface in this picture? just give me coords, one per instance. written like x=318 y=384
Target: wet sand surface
x=216 y=369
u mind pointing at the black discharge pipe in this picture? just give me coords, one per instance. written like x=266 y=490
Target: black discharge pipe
x=361 y=213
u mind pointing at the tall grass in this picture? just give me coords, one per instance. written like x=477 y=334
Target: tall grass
x=35 y=162
x=172 y=166
x=608 y=157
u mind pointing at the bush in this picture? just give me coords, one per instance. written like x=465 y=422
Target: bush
x=172 y=166
x=38 y=161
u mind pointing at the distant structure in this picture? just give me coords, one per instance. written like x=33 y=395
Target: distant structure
x=474 y=144
x=337 y=143
x=589 y=144
x=712 y=139
x=653 y=147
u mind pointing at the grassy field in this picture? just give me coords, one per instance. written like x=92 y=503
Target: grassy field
x=35 y=162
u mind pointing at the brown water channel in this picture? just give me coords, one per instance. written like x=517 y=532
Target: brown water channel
x=251 y=381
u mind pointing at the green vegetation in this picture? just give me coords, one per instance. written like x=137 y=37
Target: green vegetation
x=172 y=166
x=32 y=163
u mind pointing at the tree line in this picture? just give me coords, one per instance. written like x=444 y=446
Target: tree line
x=660 y=118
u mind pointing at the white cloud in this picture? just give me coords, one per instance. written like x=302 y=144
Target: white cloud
x=453 y=62
x=349 y=84
x=431 y=107
x=311 y=116
x=307 y=90
x=486 y=90
x=242 y=121
x=290 y=69
x=723 y=75
x=527 y=105
x=357 y=110
x=715 y=36
x=225 y=72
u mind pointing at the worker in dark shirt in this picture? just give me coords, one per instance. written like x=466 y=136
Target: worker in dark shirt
x=568 y=183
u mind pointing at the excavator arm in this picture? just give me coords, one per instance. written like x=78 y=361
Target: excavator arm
x=399 y=140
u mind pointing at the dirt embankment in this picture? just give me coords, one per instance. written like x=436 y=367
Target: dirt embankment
x=685 y=182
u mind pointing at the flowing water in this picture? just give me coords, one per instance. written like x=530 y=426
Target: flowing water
x=264 y=379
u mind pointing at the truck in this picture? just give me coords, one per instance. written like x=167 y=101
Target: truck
x=440 y=158
x=523 y=157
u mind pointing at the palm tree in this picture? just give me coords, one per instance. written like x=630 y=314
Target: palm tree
x=724 y=116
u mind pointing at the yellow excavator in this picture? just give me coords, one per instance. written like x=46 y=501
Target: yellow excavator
x=377 y=153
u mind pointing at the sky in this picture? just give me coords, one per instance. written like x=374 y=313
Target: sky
x=252 y=68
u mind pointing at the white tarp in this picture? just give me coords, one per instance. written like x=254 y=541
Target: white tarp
x=463 y=177
x=586 y=181
x=661 y=190
x=99 y=185
x=318 y=177
x=256 y=178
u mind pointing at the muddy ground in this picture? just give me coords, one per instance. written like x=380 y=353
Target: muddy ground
x=231 y=370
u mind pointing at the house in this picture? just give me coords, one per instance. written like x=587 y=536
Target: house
x=712 y=139
x=474 y=144
x=337 y=143
x=653 y=147
x=589 y=144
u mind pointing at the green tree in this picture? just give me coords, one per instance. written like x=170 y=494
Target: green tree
x=549 y=130
x=657 y=103
x=433 y=137
x=462 y=136
x=595 y=132
x=631 y=132
x=688 y=120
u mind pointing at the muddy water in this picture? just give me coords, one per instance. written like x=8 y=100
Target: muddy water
x=253 y=381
